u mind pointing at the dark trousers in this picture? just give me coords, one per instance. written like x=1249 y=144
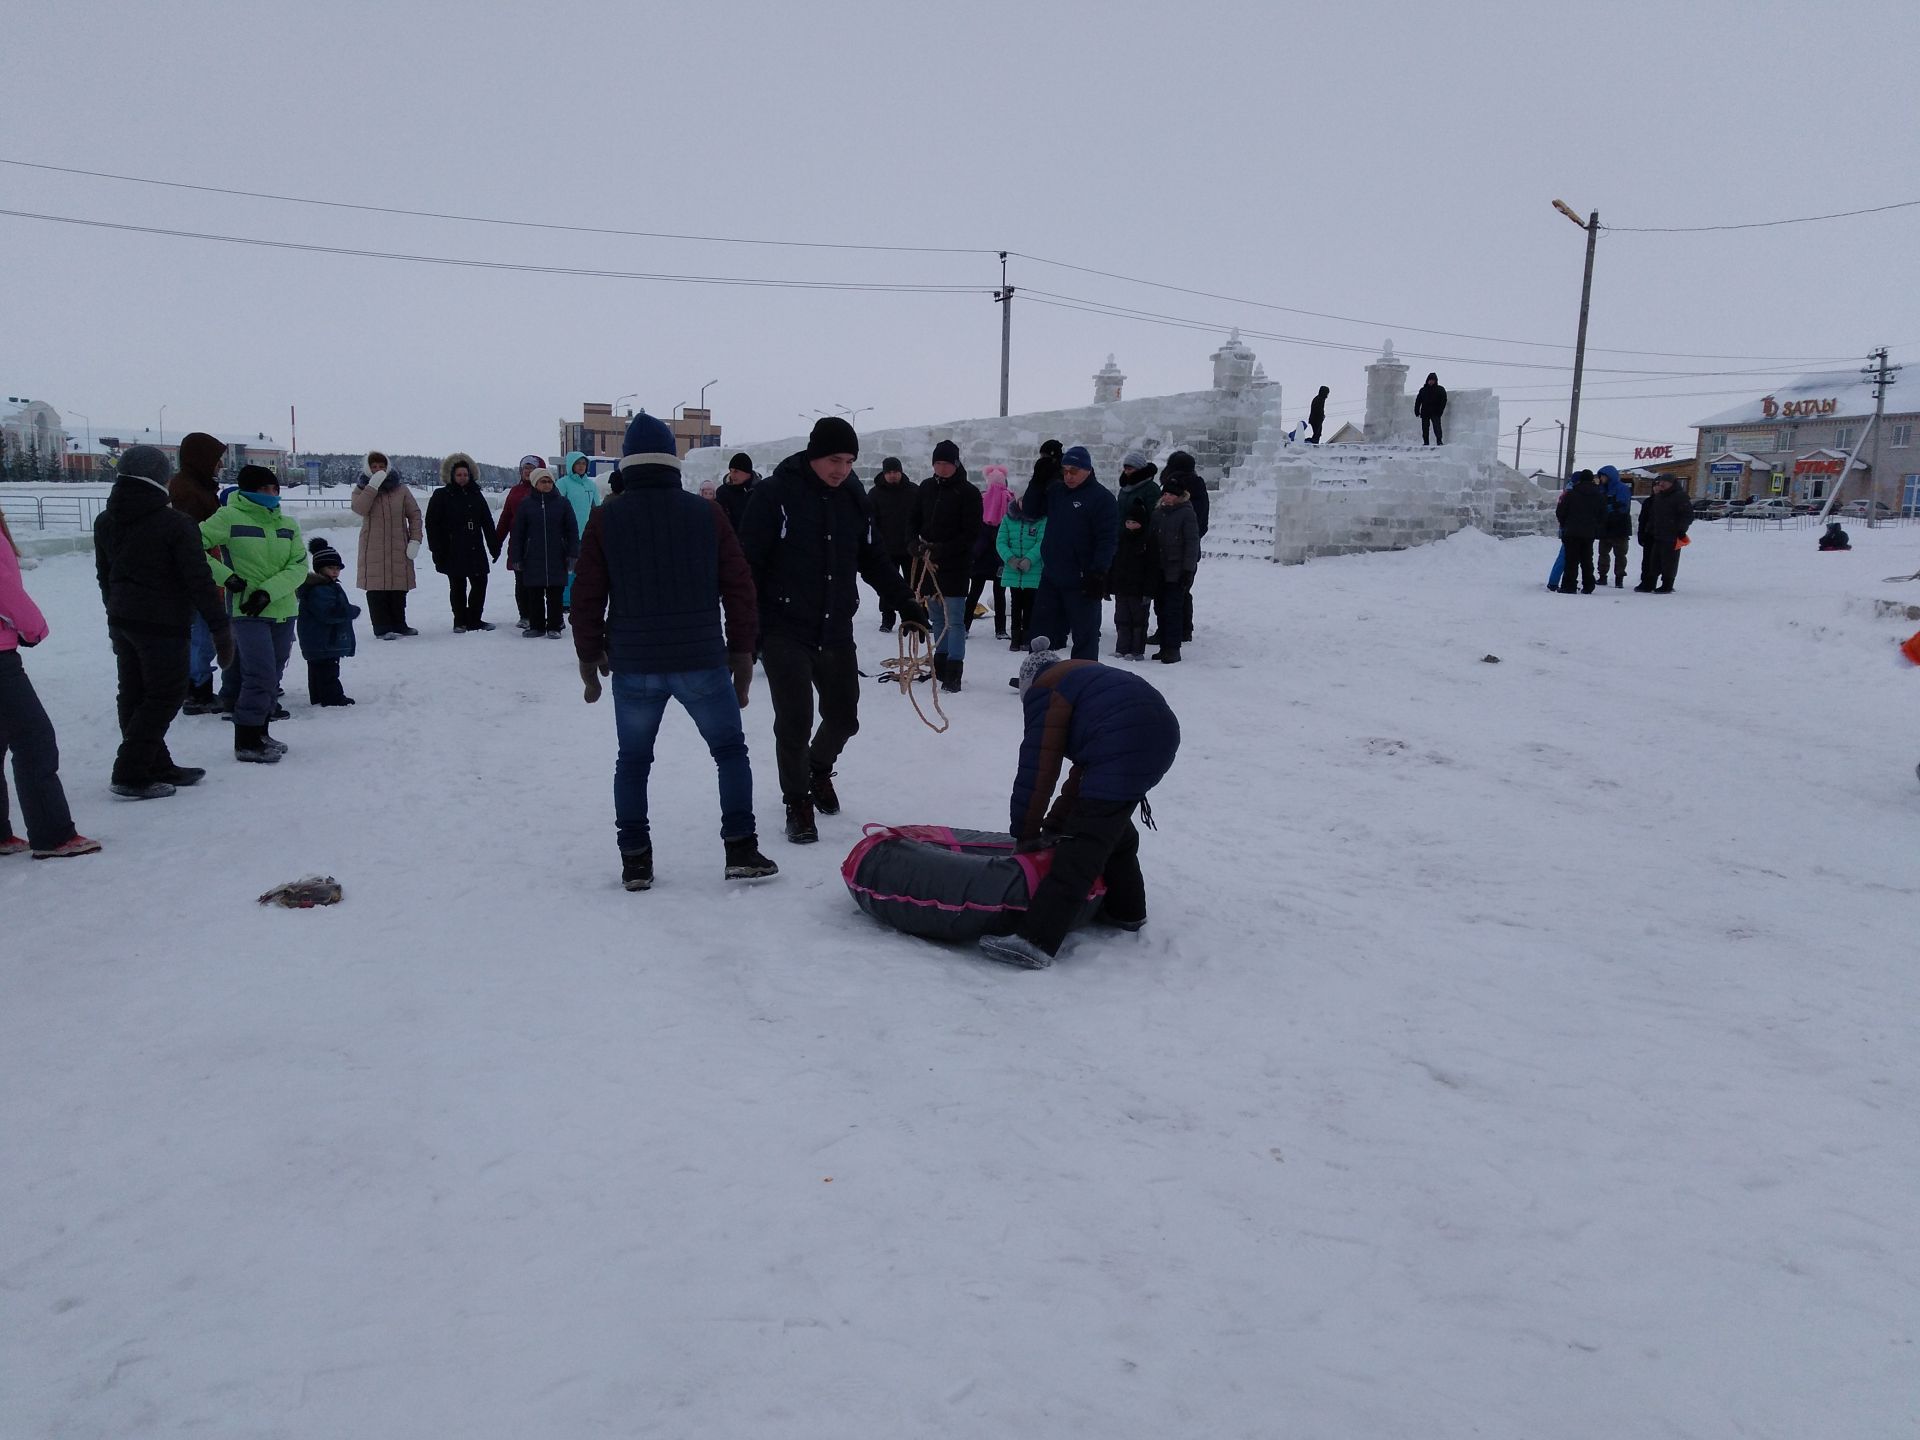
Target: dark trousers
x=526 y=603
x=153 y=687
x=467 y=594
x=1022 y=620
x=1614 y=548
x=387 y=609
x=545 y=607
x=1659 y=564
x=266 y=645
x=1314 y=438
x=323 y=682
x=1060 y=613
x=1579 y=564
x=1130 y=616
x=27 y=733
x=230 y=681
x=999 y=603
x=1175 y=609
x=888 y=616
x=1430 y=425
x=795 y=671
x=1097 y=841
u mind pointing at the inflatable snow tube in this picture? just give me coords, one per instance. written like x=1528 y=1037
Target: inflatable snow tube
x=945 y=884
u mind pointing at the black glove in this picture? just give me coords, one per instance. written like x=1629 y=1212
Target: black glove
x=235 y=585
x=1094 y=585
x=912 y=612
x=255 y=603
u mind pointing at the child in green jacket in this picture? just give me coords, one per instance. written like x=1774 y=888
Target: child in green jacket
x=256 y=553
x=1019 y=545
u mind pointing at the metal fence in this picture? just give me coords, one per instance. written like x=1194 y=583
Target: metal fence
x=78 y=512
x=1813 y=522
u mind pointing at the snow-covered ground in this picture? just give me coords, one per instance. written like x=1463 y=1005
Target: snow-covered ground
x=1520 y=1050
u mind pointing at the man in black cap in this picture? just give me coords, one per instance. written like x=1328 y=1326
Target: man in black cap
x=807 y=533
x=733 y=495
x=894 y=501
x=154 y=577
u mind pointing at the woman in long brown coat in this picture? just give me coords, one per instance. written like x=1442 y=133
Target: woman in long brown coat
x=390 y=535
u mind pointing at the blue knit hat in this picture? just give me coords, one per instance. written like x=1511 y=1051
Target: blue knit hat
x=1077 y=456
x=649 y=442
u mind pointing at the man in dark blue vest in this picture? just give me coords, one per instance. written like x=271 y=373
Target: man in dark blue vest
x=1083 y=532
x=657 y=566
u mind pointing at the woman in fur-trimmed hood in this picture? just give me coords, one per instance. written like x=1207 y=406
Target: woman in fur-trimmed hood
x=390 y=534
x=461 y=539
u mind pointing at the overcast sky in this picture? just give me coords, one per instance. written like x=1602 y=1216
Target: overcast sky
x=1388 y=162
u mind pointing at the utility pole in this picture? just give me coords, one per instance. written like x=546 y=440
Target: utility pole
x=1004 y=299
x=1592 y=227
x=1517 y=435
x=1882 y=375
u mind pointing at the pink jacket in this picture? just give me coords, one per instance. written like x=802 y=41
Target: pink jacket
x=995 y=499
x=21 y=622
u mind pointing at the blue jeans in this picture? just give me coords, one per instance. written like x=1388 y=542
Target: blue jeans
x=1060 y=614
x=949 y=627
x=200 y=653
x=263 y=646
x=639 y=702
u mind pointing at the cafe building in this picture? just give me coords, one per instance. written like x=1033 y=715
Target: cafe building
x=1795 y=441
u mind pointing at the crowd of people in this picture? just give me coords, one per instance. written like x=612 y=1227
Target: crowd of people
x=1597 y=529
x=670 y=595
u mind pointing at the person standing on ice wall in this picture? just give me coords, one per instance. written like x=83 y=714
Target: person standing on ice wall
x=1083 y=531
x=807 y=535
x=195 y=492
x=657 y=569
x=1120 y=736
x=1430 y=404
x=1317 y=415
x=1616 y=533
x=577 y=488
x=153 y=574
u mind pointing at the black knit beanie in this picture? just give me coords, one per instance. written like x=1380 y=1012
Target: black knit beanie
x=948 y=451
x=832 y=436
x=741 y=461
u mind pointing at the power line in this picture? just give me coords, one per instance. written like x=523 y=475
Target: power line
x=495 y=219
x=1757 y=224
x=467 y=264
x=885 y=249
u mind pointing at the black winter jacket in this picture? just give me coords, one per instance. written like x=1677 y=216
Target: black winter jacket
x=460 y=531
x=732 y=499
x=545 y=540
x=1665 y=516
x=1582 y=512
x=1174 y=541
x=1197 y=495
x=893 y=507
x=947 y=516
x=152 y=565
x=1132 y=572
x=1431 y=402
x=807 y=542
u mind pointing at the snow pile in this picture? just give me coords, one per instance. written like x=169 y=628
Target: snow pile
x=1516 y=1050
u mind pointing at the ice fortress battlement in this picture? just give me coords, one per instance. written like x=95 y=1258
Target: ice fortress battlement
x=1386 y=493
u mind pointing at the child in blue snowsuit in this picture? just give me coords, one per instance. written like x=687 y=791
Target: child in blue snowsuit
x=325 y=626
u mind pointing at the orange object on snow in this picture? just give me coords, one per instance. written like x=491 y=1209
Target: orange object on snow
x=1910 y=647
x=1682 y=543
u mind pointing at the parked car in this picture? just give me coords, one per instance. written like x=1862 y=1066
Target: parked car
x=1710 y=509
x=1776 y=507
x=1858 y=509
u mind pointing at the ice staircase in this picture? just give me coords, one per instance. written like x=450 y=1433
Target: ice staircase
x=1240 y=524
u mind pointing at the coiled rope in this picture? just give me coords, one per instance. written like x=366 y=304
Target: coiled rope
x=914 y=663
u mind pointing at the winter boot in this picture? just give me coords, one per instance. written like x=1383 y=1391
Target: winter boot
x=1168 y=655
x=78 y=845
x=200 y=700
x=745 y=862
x=1103 y=916
x=636 y=869
x=1643 y=589
x=12 y=845
x=825 y=799
x=800 y=827
x=183 y=775
x=956 y=670
x=940 y=668
x=142 y=790
x=271 y=741
x=1012 y=950
x=250 y=745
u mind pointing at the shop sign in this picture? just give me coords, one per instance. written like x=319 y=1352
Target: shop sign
x=1779 y=484
x=1817 y=465
x=1725 y=467
x=1653 y=452
x=1797 y=409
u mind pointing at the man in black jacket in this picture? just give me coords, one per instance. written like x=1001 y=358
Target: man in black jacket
x=737 y=489
x=153 y=578
x=1430 y=404
x=1582 y=513
x=1182 y=464
x=946 y=524
x=1664 y=518
x=808 y=533
x=894 y=501
x=1317 y=414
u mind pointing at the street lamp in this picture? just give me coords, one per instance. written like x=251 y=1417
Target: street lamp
x=1516 y=440
x=1592 y=226
x=89 y=419
x=851 y=413
x=161 y=439
x=630 y=395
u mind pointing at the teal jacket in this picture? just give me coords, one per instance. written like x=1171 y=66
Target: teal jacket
x=263 y=547
x=582 y=494
x=1020 y=540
